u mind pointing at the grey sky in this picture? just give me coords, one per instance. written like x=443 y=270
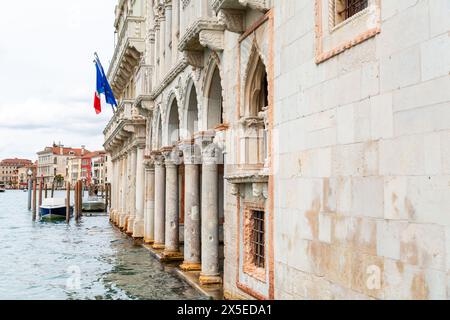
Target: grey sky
x=47 y=78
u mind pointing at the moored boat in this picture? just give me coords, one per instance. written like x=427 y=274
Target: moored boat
x=94 y=204
x=54 y=208
x=2 y=188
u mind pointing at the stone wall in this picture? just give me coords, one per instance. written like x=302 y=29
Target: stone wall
x=362 y=192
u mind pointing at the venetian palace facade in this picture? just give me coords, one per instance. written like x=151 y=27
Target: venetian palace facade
x=288 y=149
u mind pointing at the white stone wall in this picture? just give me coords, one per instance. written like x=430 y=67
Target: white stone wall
x=370 y=164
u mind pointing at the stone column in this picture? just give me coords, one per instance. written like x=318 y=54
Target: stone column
x=162 y=44
x=124 y=192
x=132 y=196
x=138 y=227
x=192 y=248
x=160 y=192
x=114 y=184
x=117 y=190
x=172 y=243
x=156 y=52
x=168 y=13
x=149 y=214
x=175 y=30
x=210 y=273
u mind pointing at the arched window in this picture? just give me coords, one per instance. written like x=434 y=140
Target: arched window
x=192 y=112
x=255 y=119
x=173 y=124
x=257 y=90
x=215 y=101
x=159 y=132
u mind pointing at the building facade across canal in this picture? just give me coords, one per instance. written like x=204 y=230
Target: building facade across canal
x=286 y=149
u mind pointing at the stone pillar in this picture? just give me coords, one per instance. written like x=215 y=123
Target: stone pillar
x=132 y=197
x=192 y=247
x=156 y=52
x=149 y=214
x=124 y=192
x=162 y=45
x=138 y=227
x=172 y=243
x=210 y=273
x=160 y=192
x=114 y=184
x=168 y=13
x=117 y=190
x=175 y=30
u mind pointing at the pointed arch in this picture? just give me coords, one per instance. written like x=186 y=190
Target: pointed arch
x=212 y=115
x=172 y=121
x=191 y=110
x=256 y=85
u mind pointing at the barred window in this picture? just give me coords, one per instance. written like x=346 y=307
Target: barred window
x=258 y=239
x=345 y=9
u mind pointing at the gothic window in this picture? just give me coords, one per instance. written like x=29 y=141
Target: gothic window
x=215 y=102
x=345 y=9
x=173 y=124
x=258 y=90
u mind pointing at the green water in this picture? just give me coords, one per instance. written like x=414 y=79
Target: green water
x=85 y=260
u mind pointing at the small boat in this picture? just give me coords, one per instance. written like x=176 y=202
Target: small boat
x=2 y=188
x=94 y=204
x=54 y=208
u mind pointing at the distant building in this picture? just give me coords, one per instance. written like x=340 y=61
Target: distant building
x=99 y=167
x=22 y=174
x=73 y=170
x=9 y=171
x=90 y=167
x=53 y=162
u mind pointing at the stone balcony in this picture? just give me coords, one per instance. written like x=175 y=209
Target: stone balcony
x=128 y=52
x=262 y=5
x=122 y=124
x=203 y=33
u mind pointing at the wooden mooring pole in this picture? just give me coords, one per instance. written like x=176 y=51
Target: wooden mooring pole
x=75 y=195
x=45 y=191
x=68 y=202
x=41 y=187
x=53 y=188
x=80 y=210
x=34 y=198
x=107 y=196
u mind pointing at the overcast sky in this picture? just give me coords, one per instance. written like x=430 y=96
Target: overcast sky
x=47 y=78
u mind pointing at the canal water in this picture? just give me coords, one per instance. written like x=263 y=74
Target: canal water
x=85 y=260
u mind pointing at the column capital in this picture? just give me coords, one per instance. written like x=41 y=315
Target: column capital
x=149 y=164
x=158 y=158
x=172 y=155
x=168 y=4
x=210 y=154
x=191 y=152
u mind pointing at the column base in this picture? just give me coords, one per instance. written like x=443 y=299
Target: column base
x=122 y=221
x=138 y=229
x=172 y=256
x=186 y=266
x=130 y=225
x=158 y=246
x=210 y=280
x=150 y=242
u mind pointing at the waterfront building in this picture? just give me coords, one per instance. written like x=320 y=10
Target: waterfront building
x=53 y=162
x=73 y=170
x=22 y=174
x=10 y=172
x=99 y=167
x=306 y=142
